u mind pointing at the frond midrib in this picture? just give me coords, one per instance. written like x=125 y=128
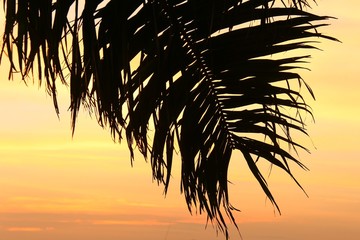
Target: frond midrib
x=206 y=73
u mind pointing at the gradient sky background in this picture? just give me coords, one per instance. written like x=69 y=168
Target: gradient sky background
x=55 y=187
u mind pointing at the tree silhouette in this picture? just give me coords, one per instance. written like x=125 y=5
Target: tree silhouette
x=204 y=75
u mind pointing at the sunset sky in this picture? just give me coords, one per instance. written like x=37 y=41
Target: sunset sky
x=55 y=187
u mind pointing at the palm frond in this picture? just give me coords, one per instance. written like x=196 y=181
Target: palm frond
x=209 y=79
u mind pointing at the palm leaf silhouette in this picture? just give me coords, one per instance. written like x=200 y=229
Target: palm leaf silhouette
x=208 y=78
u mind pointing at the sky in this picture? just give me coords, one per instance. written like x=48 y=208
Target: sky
x=57 y=187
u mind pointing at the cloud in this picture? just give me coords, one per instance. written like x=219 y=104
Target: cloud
x=28 y=229
x=126 y=202
x=130 y=222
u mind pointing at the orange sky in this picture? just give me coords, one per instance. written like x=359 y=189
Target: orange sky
x=55 y=187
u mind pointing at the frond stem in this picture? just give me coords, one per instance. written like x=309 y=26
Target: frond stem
x=205 y=71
